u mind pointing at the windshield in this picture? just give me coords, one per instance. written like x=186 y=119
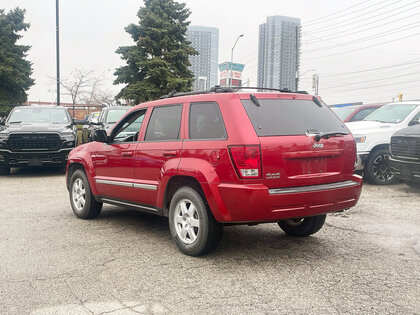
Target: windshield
x=31 y=114
x=391 y=113
x=343 y=112
x=276 y=117
x=114 y=115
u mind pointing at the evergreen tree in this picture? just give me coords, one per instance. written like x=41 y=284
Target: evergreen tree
x=15 y=70
x=158 y=63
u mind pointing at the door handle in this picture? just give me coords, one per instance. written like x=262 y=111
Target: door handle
x=169 y=153
x=127 y=153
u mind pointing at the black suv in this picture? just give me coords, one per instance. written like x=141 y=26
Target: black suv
x=405 y=155
x=107 y=118
x=36 y=135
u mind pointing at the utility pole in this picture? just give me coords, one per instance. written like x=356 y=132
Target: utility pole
x=315 y=83
x=57 y=26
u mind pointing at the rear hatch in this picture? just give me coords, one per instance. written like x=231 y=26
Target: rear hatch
x=302 y=141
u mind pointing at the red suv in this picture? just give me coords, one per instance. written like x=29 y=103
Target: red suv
x=221 y=157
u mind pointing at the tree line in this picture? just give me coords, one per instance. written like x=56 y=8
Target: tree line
x=156 y=64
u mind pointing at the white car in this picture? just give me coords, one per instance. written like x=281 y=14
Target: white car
x=373 y=136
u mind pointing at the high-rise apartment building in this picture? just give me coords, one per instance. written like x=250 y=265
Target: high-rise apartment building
x=279 y=52
x=204 y=65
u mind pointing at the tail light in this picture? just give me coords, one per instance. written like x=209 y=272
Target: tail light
x=247 y=160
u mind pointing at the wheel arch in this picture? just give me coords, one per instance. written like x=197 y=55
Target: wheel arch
x=176 y=182
x=379 y=147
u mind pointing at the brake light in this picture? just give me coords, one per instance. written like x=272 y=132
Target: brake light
x=247 y=160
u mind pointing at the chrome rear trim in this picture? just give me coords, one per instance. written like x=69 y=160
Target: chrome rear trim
x=294 y=190
x=113 y=182
x=146 y=186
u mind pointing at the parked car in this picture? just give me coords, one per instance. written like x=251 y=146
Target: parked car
x=91 y=118
x=373 y=136
x=222 y=157
x=106 y=119
x=405 y=155
x=355 y=112
x=36 y=135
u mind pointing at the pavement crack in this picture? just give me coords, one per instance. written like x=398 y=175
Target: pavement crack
x=81 y=302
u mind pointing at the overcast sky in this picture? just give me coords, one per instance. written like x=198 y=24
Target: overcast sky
x=362 y=50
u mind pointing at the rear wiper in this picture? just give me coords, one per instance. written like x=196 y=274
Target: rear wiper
x=316 y=101
x=255 y=100
x=326 y=135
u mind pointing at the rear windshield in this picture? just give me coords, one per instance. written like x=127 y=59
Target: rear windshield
x=291 y=117
x=343 y=112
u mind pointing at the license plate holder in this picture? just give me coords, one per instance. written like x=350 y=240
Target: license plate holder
x=34 y=162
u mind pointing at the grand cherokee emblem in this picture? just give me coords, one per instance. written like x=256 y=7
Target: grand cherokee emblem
x=318 y=145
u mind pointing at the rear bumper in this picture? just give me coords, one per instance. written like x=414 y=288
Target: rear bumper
x=257 y=203
x=405 y=170
x=33 y=158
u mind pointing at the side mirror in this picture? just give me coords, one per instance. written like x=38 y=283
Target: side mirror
x=2 y=122
x=100 y=135
x=414 y=122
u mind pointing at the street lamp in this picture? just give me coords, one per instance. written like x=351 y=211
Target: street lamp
x=231 y=58
x=299 y=75
x=57 y=34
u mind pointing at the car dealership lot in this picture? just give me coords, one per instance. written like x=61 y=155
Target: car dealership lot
x=365 y=260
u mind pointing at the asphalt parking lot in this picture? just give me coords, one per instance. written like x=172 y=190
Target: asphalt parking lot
x=364 y=261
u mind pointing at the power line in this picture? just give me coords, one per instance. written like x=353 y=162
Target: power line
x=376 y=86
x=363 y=39
x=356 y=20
x=373 y=80
x=334 y=35
x=334 y=13
x=414 y=61
x=366 y=47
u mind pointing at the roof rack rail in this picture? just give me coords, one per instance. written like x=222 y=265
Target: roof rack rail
x=227 y=89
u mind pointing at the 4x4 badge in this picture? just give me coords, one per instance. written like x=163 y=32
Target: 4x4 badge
x=318 y=145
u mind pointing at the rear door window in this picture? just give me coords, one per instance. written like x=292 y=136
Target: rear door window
x=277 y=117
x=165 y=123
x=363 y=113
x=206 y=121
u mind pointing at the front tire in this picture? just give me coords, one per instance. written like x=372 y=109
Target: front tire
x=82 y=201
x=377 y=170
x=302 y=226
x=191 y=223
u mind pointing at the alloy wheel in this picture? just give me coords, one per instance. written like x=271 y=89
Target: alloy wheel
x=186 y=221
x=78 y=194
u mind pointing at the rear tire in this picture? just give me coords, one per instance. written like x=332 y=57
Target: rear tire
x=302 y=226
x=4 y=170
x=82 y=201
x=377 y=170
x=191 y=223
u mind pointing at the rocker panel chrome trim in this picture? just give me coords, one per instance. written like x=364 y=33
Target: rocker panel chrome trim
x=112 y=201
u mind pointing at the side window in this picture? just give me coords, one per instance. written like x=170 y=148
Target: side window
x=129 y=129
x=206 y=121
x=415 y=120
x=362 y=114
x=165 y=123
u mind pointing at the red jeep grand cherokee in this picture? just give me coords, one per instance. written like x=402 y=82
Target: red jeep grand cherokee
x=220 y=157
